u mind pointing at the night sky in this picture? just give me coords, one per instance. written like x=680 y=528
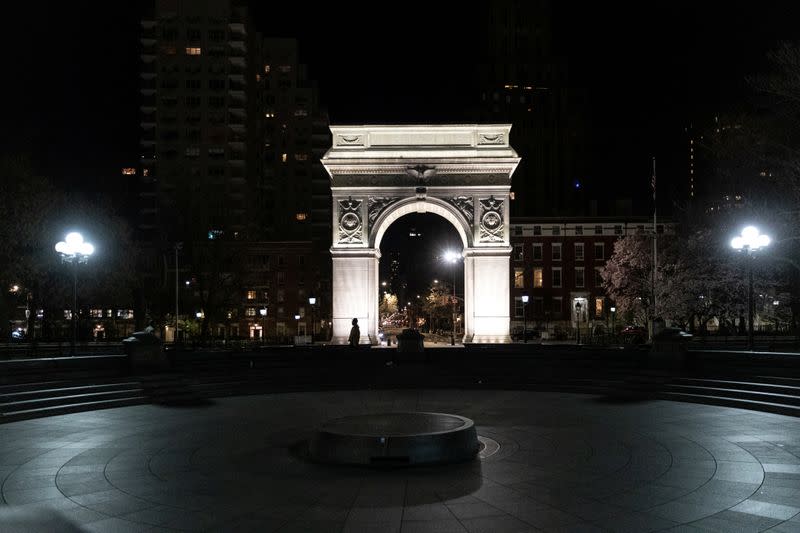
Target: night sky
x=72 y=95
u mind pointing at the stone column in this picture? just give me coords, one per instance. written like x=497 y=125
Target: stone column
x=487 y=291
x=355 y=293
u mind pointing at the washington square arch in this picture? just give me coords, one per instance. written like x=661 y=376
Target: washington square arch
x=459 y=172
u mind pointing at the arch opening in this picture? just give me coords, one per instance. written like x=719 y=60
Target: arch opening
x=421 y=279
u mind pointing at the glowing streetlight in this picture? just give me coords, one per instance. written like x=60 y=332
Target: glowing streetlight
x=452 y=257
x=263 y=313
x=73 y=249
x=525 y=298
x=750 y=241
x=312 y=301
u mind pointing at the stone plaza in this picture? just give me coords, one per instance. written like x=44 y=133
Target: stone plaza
x=565 y=462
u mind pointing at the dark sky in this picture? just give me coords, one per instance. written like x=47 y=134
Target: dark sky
x=72 y=94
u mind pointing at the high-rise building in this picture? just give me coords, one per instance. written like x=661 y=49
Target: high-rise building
x=197 y=118
x=232 y=133
x=526 y=83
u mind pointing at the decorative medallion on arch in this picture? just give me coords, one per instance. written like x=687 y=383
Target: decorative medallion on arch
x=491 y=220
x=350 y=226
x=459 y=172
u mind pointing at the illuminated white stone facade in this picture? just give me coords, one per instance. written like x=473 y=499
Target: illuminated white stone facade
x=459 y=172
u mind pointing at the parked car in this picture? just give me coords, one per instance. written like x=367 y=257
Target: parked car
x=633 y=334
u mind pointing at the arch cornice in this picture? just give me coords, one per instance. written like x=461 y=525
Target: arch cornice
x=428 y=204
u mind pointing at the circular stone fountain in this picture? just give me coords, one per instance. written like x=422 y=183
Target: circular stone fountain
x=395 y=439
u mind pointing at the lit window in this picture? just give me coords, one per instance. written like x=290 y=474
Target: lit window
x=301 y=216
x=598 y=307
x=251 y=295
x=250 y=311
x=283 y=158
x=67 y=314
x=145 y=172
x=192 y=51
x=301 y=157
x=537 y=278
x=556 y=251
x=258 y=77
x=96 y=313
x=266 y=69
x=578 y=251
x=214 y=234
x=519 y=278
x=128 y=171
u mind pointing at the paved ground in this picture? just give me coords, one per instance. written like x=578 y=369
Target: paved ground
x=565 y=463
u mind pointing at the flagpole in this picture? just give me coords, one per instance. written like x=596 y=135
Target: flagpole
x=655 y=247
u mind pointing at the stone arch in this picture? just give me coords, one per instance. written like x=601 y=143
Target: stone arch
x=415 y=205
x=459 y=172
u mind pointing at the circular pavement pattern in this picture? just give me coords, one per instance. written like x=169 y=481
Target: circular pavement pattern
x=565 y=463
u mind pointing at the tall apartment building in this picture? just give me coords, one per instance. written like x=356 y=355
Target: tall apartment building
x=232 y=133
x=526 y=83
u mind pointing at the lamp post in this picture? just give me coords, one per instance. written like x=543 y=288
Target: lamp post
x=178 y=246
x=525 y=318
x=748 y=242
x=578 y=321
x=452 y=257
x=75 y=250
x=613 y=316
x=312 y=301
x=297 y=320
x=263 y=313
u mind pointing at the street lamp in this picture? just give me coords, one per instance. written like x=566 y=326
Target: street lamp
x=524 y=318
x=312 y=301
x=74 y=250
x=263 y=313
x=578 y=312
x=748 y=242
x=452 y=257
x=613 y=316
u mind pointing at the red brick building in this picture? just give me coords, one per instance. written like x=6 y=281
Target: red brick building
x=557 y=263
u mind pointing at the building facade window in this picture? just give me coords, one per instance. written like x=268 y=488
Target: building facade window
x=580 y=280
x=599 y=251
x=537 y=230
x=556 y=308
x=193 y=51
x=598 y=306
x=250 y=311
x=556 y=251
x=519 y=253
x=556 y=230
x=537 y=278
x=598 y=230
x=556 y=277
x=519 y=278
x=578 y=251
x=251 y=295
x=578 y=230
x=537 y=251
x=617 y=230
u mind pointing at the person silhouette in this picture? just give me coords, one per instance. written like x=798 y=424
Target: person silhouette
x=355 y=334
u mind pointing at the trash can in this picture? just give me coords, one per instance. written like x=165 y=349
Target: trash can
x=145 y=351
x=410 y=344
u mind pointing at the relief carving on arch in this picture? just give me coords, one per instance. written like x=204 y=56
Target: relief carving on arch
x=491 y=229
x=376 y=205
x=351 y=227
x=465 y=206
